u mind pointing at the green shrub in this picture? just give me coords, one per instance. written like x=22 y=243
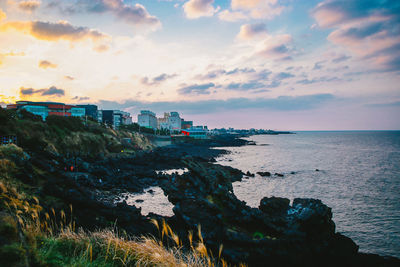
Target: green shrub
x=12 y=255
x=73 y=124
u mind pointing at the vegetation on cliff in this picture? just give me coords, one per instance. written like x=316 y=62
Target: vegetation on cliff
x=31 y=236
x=39 y=229
x=68 y=136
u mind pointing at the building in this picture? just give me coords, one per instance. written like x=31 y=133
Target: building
x=186 y=124
x=45 y=109
x=196 y=132
x=147 y=119
x=174 y=122
x=162 y=123
x=114 y=118
x=90 y=110
x=121 y=118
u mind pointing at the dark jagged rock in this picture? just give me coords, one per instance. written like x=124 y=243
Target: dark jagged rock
x=248 y=173
x=302 y=234
x=274 y=206
x=279 y=174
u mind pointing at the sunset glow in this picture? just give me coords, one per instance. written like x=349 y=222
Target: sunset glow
x=290 y=64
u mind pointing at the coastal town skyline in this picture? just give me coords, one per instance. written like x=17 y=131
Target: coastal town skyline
x=287 y=65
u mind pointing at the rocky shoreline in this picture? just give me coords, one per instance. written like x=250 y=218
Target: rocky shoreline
x=277 y=233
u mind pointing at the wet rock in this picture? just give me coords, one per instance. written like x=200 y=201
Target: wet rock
x=264 y=174
x=151 y=191
x=274 y=206
x=312 y=217
x=248 y=173
x=279 y=174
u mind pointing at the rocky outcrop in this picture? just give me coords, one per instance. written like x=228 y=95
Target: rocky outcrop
x=275 y=234
x=264 y=174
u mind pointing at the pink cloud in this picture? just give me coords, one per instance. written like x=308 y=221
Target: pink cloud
x=369 y=31
x=199 y=8
x=251 y=31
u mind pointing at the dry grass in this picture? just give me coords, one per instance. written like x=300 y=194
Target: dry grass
x=57 y=238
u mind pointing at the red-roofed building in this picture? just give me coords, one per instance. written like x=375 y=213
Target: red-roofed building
x=45 y=109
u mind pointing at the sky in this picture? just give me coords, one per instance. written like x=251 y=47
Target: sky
x=271 y=64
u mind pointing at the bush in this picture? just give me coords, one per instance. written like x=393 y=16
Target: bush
x=6 y=116
x=73 y=124
x=26 y=115
x=12 y=255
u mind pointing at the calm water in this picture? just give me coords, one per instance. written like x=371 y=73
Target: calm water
x=359 y=178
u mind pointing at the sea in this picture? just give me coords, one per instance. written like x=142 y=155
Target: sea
x=356 y=173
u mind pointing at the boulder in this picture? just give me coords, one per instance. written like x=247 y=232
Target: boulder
x=274 y=206
x=264 y=174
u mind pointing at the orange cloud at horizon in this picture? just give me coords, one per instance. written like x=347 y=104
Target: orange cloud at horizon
x=50 y=31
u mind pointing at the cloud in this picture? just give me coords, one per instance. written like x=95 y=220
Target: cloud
x=277 y=47
x=251 y=85
x=341 y=58
x=332 y=13
x=220 y=72
x=211 y=74
x=318 y=65
x=383 y=105
x=263 y=74
x=132 y=14
x=258 y=9
x=10 y=54
x=3 y=15
x=251 y=31
x=282 y=103
x=50 y=31
x=369 y=29
x=44 y=64
x=231 y=16
x=137 y=14
x=283 y=75
x=199 y=8
x=240 y=70
x=29 y=5
x=245 y=4
x=158 y=79
x=51 y=91
x=80 y=98
x=199 y=89
x=319 y=80
x=101 y=48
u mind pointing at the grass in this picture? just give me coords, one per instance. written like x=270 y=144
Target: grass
x=33 y=236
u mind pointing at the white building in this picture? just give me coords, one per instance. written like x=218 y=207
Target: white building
x=147 y=119
x=162 y=123
x=174 y=122
x=121 y=118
